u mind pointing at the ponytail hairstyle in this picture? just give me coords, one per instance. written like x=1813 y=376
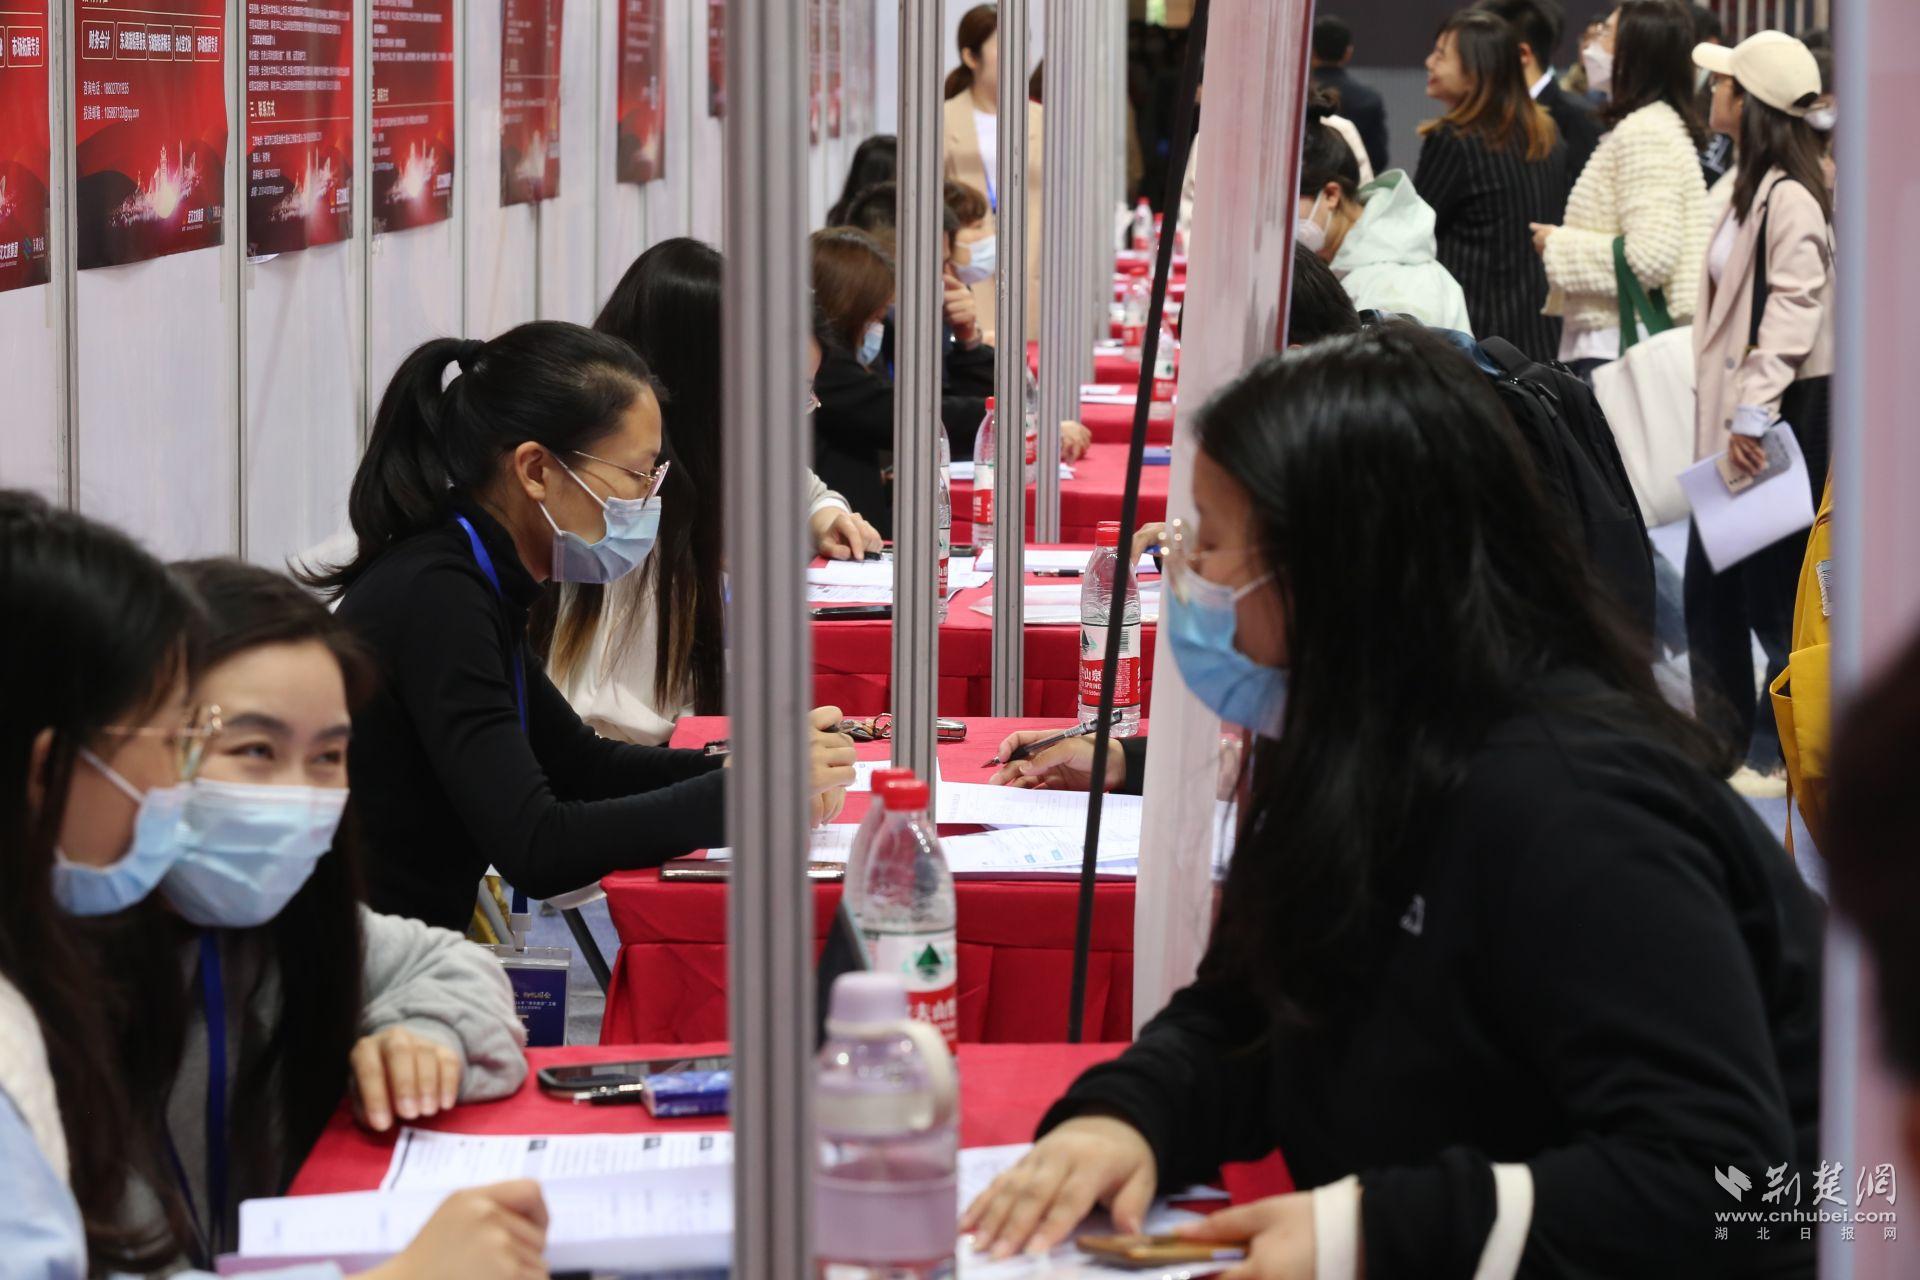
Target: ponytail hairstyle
x=99 y=635
x=875 y=160
x=977 y=26
x=559 y=385
x=291 y=1086
x=667 y=308
x=1499 y=110
x=1324 y=155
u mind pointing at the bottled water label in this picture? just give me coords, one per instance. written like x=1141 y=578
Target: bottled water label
x=983 y=493
x=945 y=541
x=1093 y=652
x=928 y=963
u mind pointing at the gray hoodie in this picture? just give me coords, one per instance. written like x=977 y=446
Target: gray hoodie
x=1387 y=259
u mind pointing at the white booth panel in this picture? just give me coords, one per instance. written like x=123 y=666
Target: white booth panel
x=303 y=398
x=30 y=421
x=568 y=290
x=415 y=279
x=158 y=424
x=705 y=173
x=620 y=224
x=500 y=241
x=667 y=204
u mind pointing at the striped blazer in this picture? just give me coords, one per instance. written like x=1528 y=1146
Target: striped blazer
x=1483 y=201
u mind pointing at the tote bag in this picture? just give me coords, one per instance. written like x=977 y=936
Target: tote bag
x=1648 y=396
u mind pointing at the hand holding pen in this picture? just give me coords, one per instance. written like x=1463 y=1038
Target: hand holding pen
x=1054 y=760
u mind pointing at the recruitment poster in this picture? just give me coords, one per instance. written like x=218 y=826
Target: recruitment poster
x=529 y=100
x=26 y=156
x=835 y=73
x=813 y=71
x=716 y=58
x=151 y=143
x=640 y=129
x=299 y=125
x=413 y=113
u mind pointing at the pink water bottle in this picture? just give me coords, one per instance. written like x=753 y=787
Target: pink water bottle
x=886 y=1111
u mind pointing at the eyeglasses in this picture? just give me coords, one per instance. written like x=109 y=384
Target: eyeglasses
x=1181 y=563
x=651 y=479
x=189 y=742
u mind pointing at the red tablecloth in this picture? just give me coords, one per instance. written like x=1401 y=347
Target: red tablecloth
x=853 y=658
x=1113 y=424
x=1109 y=366
x=1004 y=1091
x=1099 y=482
x=1016 y=937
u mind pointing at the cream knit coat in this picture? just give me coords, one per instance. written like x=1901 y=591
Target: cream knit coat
x=1643 y=182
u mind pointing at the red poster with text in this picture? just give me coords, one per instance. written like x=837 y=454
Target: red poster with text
x=151 y=144
x=640 y=130
x=26 y=155
x=716 y=58
x=529 y=100
x=413 y=113
x=813 y=70
x=836 y=75
x=299 y=126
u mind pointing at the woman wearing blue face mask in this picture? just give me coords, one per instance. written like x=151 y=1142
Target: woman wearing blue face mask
x=495 y=467
x=104 y=755
x=1496 y=953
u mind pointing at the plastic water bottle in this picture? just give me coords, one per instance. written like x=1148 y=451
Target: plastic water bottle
x=904 y=904
x=1031 y=416
x=1166 y=363
x=886 y=1108
x=1133 y=321
x=1096 y=613
x=943 y=519
x=983 y=479
x=876 y=815
x=1143 y=225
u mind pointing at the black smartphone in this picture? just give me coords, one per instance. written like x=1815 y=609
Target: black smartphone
x=585 y=1077
x=844 y=612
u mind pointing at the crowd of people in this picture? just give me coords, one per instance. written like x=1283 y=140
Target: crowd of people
x=1468 y=871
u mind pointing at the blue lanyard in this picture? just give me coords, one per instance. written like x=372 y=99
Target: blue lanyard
x=993 y=197
x=213 y=1006
x=486 y=567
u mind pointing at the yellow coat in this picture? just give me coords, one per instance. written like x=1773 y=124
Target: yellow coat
x=963 y=164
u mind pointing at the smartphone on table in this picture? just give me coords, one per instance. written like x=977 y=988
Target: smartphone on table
x=581 y=1079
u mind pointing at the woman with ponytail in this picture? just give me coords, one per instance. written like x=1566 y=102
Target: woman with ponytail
x=496 y=467
x=970 y=122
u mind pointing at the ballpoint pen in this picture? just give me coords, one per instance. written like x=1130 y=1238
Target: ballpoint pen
x=1034 y=748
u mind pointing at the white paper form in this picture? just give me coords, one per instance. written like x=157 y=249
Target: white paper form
x=429 y=1160
x=831 y=843
x=649 y=1221
x=962 y=469
x=853 y=573
x=831 y=593
x=1053 y=604
x=1012 y=852
x=863 y=771
x=1734 y=526
x=975 y=803
x=1057 y=560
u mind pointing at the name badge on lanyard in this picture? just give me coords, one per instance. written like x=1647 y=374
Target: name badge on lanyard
x=211 y=1226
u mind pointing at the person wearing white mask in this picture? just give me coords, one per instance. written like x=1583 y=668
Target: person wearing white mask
x=495 y=467
x=132 y=804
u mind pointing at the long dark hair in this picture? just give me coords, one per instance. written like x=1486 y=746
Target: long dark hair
x=561 y=385
x=1460 y=548
x=875 y=160
x=1324 y=155
x=852 y=282
x=667 y=307
x=1653 y=62
x=1498 y=110
x=977 y=26
x=98 y=634
x=293 y=1084
x=1770 y=138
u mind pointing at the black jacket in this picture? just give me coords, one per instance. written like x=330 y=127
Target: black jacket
x=1608 y=970
x=445 y=781
x=853 y=427
x=1579 y=127
x=1364 y=106
x=1483 y=202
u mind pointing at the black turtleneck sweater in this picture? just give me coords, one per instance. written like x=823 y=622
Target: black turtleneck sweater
x=445 y=781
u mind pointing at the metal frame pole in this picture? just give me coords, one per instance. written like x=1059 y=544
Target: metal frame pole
x=768 y=444
x=1010 y=381
x=1059 y=306
x=916 y=390
x=63 y=253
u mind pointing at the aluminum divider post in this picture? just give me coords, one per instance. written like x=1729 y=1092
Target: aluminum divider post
x=1010 y=380
x=768 y=445
x=1183 y=127
x=1061 y=323
x=916 y=390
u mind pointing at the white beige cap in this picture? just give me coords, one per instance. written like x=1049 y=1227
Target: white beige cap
x=1771 y=65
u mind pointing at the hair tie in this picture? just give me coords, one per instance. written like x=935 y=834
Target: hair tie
x=469 y=353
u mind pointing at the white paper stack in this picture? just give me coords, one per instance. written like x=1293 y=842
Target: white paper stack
x=1046 y=604
x=1058 y=560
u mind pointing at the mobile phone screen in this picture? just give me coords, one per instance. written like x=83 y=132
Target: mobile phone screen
x=588 y=1076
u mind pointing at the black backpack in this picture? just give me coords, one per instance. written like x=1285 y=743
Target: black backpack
x=1573 y=448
